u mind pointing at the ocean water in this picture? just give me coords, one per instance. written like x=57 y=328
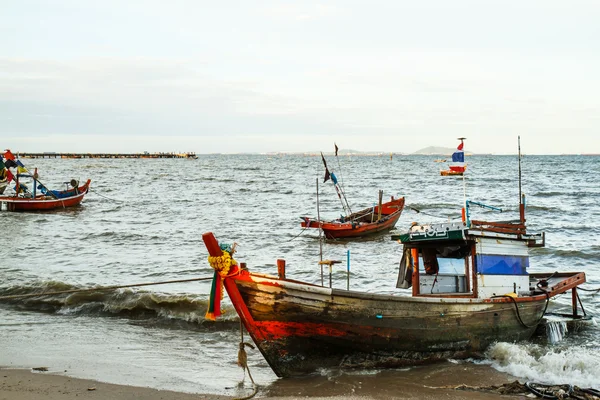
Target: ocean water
x=142 y=223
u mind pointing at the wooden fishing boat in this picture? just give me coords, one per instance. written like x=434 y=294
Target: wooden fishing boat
x=50 y=200
x=376 y=219
x=470 y=288
x=38 y=197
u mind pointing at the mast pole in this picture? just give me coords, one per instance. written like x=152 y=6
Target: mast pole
x=320 y=230
x=521 y=202
x=346 y=207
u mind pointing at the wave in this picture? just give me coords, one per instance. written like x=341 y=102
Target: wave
x=549 y=365
x=160 y=309
x=586 y=255
x=548 y=194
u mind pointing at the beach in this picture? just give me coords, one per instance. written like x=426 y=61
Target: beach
x=27 y=384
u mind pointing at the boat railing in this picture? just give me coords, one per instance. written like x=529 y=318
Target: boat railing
x=499 y=227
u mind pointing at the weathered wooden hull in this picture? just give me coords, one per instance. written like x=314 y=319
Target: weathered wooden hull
x=300 y=328
x=43 y=203
x=339 y=229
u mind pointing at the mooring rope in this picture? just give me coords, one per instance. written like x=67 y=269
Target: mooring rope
x=243 y=362
x=519 y=314
x=97 y=289
x=588 y=290
x=449 y=216
x=106 y=197
x=298 y=235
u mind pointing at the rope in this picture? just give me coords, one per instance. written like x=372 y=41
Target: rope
x=542 y=390
x=243 y=362
x=24 y=296
x=106 y=197
x=589 y=290
x=519 y=315
x=432 y=215
x=298 y=235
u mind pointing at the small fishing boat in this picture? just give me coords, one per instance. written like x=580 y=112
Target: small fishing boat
x=469 y=287
x=371 y=220
x=50 y=200
x=38 y=197
x=377 y=219
x=458 y=166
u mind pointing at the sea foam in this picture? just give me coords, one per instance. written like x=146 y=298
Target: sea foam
x=578 y=366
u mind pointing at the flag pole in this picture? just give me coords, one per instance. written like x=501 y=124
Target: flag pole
x=463 y=176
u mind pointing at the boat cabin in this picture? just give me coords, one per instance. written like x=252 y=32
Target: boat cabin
x=484 y=260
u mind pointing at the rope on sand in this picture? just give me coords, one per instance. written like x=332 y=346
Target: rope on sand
x=540 y=390
x=243 y=362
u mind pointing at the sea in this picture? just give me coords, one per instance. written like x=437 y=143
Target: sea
x=142 y=222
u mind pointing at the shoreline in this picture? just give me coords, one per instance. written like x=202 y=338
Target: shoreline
x=27 y=384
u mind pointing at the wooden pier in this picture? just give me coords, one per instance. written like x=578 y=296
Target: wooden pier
x=105 y=155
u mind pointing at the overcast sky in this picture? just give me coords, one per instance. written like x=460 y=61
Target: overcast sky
x=262 y=76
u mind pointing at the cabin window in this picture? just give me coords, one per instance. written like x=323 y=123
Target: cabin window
x=442 y=270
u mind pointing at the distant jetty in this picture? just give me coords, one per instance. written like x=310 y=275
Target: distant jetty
x=106 y=155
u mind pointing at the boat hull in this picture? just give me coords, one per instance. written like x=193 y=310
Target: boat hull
x=300 y=328
x=367 y=225
x=43 y=203
x=451 y=173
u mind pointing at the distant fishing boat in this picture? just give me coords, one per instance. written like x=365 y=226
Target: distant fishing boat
x=368 y=221
x=38 y=197
x=458 y=166
x=376 y=219
x=470 y=288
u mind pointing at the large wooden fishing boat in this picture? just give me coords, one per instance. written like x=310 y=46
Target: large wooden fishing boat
x=470 y=288
x=376 y=219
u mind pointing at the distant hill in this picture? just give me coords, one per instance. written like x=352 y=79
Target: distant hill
x=434 y=150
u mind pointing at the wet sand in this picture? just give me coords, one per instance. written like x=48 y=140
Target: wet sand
x=25 y=384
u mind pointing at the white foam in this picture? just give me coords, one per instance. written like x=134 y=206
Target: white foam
x=577 y=366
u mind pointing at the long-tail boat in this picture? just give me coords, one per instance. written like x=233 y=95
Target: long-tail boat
x=377 y=219
x=470 y=288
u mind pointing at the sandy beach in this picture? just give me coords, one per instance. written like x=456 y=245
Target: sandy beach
x=26 y=384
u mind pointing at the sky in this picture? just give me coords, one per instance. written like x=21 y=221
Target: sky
x=296 y=76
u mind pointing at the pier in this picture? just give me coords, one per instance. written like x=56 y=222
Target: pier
x=105 y=155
